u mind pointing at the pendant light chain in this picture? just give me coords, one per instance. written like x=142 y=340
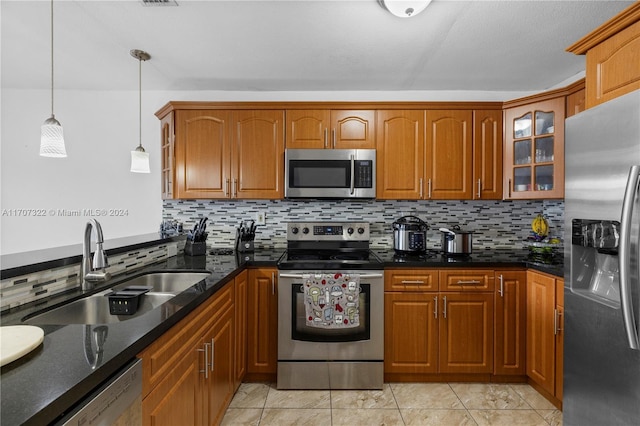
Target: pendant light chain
x=52 y=58
x=140 y=100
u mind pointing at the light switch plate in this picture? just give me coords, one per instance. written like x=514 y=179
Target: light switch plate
x=261 y=218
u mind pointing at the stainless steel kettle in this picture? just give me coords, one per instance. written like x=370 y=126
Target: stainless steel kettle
x=410 y=235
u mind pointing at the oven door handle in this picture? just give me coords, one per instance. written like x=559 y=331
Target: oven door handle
x=300 y=276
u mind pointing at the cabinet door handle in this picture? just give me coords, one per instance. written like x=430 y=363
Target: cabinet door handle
x=420 y=188
x=501 y=291
x=234 y=194
x=479 y=189
x=213 y=347
x=333 y=137
x=412 y=282
x=557 y=319
x=273 y=283
x=509 y=188
x=429 y=186
x=206 y=360
x=226 y=188
x=326 y=137
x=444 y=307
x=435 y=307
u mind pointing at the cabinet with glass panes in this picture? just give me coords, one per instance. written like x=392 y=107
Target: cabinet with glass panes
x=534 y=150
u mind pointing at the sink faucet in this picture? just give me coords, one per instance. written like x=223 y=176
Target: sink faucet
x=91 y=272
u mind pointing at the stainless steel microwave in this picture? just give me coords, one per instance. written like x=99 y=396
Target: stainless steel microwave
x=330 y=173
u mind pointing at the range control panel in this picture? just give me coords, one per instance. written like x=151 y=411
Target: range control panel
x=328 y=231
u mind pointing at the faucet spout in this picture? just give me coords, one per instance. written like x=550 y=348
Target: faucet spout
x=93 y=271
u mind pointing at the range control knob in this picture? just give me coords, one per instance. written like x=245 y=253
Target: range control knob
x=360 y=230
x=305 y=230
x=294 y=230
x=350 y=231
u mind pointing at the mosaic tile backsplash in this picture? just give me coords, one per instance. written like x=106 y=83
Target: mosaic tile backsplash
x=496 y=224
x=23 y=289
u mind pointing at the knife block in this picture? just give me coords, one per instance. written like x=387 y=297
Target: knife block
x=245 y=246
x=198 y=248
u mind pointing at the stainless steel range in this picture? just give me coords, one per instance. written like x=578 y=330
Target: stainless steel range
x=331 y=308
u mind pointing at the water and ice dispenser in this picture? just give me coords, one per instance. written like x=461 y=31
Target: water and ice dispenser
x=594 y=260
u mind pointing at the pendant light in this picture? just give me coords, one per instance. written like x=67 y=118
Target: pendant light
x=139 y=157
x=404 y=8
x=51 y=136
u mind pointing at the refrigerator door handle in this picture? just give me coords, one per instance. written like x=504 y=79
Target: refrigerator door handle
x=624 y=256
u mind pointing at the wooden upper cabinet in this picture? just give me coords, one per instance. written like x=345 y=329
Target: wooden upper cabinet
x=449 y=154
x=613 y=55
x=487 y=155
x=257 y=154
x=400 y=154
x=576 y=98
x=339 y=129
x=534 y=150
x=202 y=153
x=167 y=135
x=353 y=129
x=308 y=128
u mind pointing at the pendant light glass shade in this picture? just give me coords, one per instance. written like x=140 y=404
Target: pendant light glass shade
x=51 y=135
x=139 y=157
x=52 y=139
x=404 y=8
x=140 y=161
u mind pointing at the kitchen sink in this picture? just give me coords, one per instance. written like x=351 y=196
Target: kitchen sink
x=94 y=309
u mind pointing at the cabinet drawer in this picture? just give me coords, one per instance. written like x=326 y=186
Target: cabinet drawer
x=467 y=279
x=411 y=280
x=162 y=356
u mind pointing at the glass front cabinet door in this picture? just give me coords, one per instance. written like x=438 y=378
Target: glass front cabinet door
x=534 y=150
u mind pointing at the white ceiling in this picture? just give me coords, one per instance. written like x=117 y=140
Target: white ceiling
x=297 y=45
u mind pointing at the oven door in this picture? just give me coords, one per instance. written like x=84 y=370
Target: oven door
x=330 y=173
x=298 y=341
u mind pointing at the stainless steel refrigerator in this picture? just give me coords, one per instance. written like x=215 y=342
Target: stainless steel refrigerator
x=602 y=272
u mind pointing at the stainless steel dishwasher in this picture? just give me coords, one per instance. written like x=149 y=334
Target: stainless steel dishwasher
x=119 y=398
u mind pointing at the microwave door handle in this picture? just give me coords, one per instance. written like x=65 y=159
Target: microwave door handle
x=624 y=256
x=353 y=172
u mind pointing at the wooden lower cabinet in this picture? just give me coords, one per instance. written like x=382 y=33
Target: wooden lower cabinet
x=188 y=373
x=241 y=286
x=543 y=335
x=410 y=333
x=509 y=352
x=466 y=333
x=436 y=332
x=262 y=324
x=559 y=333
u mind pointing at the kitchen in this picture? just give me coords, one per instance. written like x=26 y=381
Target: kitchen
x=124 y=192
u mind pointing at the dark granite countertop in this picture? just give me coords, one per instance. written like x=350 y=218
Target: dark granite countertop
x=45 y=384
x=41 y=386
x=481 y=258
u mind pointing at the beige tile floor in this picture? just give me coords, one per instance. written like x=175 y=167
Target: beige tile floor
x=397 y=404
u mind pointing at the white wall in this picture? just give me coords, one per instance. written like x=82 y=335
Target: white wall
x=100 y=129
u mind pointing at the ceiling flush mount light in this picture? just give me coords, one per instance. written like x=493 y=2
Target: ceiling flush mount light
x=51 y=136
x=140 y=158
x=404 y=8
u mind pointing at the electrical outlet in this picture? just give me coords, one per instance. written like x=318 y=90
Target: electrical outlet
x=261 y=218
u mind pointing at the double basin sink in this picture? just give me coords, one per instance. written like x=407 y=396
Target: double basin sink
x=94 y=309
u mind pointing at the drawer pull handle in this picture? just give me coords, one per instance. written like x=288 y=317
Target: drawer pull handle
x=412 y=282
x=469 y=282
